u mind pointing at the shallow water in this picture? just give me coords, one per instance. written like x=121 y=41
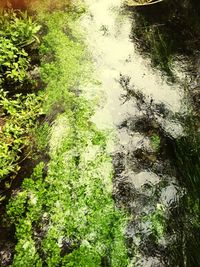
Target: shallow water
x=135 y=101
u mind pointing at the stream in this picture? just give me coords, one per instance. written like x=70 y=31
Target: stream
x=140 y=103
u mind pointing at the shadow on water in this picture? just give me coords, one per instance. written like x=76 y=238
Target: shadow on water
x=148 y=114
x=166 y=30
x=187 y=163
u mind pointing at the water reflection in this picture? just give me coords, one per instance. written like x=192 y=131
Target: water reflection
x=144 y=108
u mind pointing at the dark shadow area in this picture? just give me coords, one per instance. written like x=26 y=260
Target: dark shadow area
x=186 y=220
x=166 y=30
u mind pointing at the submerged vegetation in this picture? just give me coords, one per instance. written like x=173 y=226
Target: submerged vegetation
x=174 y=33
x=64 y=213
x=80 y=227
x=187 y=161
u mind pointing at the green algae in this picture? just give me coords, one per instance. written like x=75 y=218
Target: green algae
x=65 y=215
x=155 y=142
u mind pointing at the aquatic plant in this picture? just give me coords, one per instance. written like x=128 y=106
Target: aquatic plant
x=155 y=141
x=156 y=42
x=167 y=30
x=66 y=215
x=158 y=221
x=186 y=161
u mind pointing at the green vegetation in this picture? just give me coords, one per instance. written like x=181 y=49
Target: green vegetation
x=72 y=206
x=187 y=160
x=158 y=222
x=41 y=134
x=18 y=118
x=157 y=42
x=64 y=213
x=16 y=32
x=155 y=142
x=66 y=216
x=160 y=49
x=18 y=113
x=168 y=30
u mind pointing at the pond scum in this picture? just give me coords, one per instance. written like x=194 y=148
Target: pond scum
x=64 y=213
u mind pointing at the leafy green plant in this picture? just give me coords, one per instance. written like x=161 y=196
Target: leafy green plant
x=14 y=62
x=19 y=28
x=19 y=115
x=16 y=32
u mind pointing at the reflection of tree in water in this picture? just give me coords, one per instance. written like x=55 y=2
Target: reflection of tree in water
x=168 y=29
